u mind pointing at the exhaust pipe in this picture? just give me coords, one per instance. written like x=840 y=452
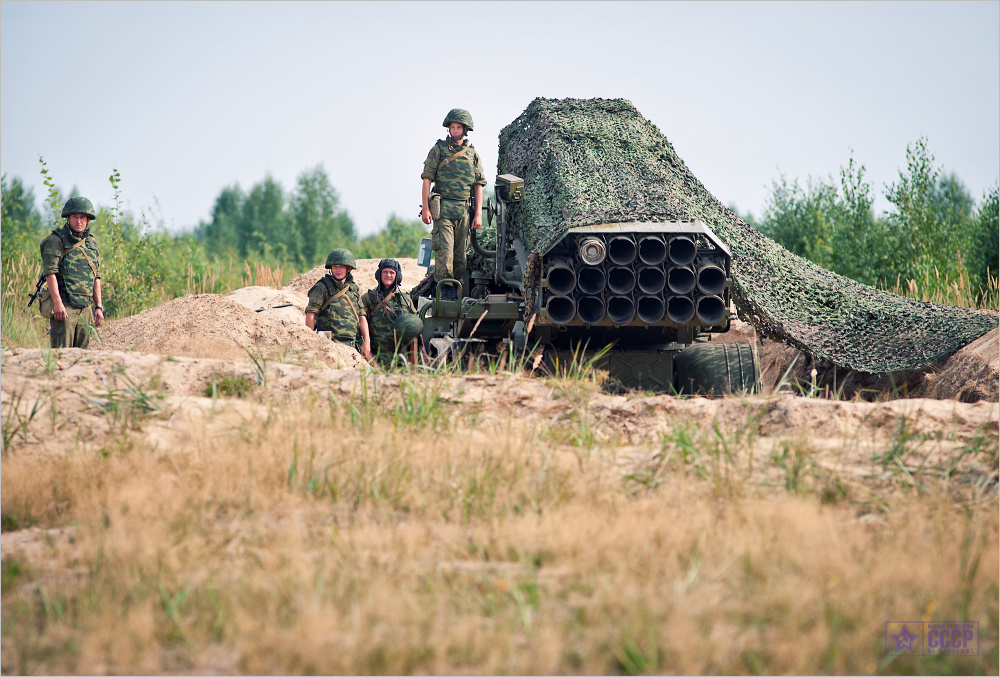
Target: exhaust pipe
x=561 y=309
x=651 y=280
x=621 y=280
x=621 y=309
x=710 y=309
x=650 y=309
x=621 y=250
x=680 y=280
x=652 y=250
x=680 y=309
x=561 y=278
x=590 y=309
x=682 y=250
x=592 y=251
x=591 y=280
x=711 y=280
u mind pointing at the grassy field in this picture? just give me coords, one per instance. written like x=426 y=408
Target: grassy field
x=401 y=531
x=398 y=530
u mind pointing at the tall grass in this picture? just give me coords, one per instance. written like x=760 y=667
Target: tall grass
x=394 y=532
x=950 y=290
x=20 y=325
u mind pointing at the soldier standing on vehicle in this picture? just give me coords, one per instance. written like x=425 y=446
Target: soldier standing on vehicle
x=393 y=320
x=71 y=266
x=335 y=304
x=456 y=170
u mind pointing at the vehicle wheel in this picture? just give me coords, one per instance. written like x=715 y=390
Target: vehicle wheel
x=716 y=369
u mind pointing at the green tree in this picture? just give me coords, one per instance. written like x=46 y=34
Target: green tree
x=320 y=224
x=984 y=241
x=19 y=212
x=398 y=239
x=264 y=226
x=931 y=216
x=802 y=220
x=221 y=234
x=21 y=226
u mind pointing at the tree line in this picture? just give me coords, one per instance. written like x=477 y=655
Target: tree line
x=300 y=226
x=285 y=232
x=933 y=231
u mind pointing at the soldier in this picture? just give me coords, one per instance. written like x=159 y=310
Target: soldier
x=390 y=311
x=335 y=304
x=71 y=265
x=456 y=170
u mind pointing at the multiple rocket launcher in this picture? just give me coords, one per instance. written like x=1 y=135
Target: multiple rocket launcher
x=671 y=274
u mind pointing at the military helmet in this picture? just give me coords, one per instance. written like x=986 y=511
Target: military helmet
x=407 y=327
x=341 y=257
x=458 y=115
x=78 y=205
x=389 y=263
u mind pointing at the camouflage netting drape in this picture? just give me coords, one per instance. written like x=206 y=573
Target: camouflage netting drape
x=587 y=162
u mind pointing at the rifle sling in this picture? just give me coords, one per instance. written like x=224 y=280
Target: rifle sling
x=67 y=250
x=334 y=298
x=383 y=302
x=84 y=251
x=455 y=156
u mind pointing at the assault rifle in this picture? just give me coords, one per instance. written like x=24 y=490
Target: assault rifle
x=38 y=290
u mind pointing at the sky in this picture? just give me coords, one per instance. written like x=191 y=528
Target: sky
x=185 y=98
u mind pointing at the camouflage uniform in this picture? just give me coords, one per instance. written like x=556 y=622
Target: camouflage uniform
x=454 y=182
x=76 y=271
x=380 y=321
x=342 y=317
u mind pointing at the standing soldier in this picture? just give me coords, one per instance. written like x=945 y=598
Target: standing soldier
x=335 y=304
x=394 y=322
x=71 y=265
x=456 y=170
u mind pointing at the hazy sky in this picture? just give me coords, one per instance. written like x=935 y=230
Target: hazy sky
x=184 y=98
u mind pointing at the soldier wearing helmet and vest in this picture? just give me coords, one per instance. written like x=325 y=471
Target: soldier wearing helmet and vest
x=456 y=170
x=393 y=321
x=335 y=304
x=71 y=266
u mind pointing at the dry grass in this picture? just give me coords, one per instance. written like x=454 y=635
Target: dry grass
x=951 y=291
x=398 y=533
x=20 y=325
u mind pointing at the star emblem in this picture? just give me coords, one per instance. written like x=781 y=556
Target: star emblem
x=904 y=640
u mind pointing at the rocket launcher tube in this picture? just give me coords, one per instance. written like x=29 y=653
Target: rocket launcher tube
x=652 y=250
x=711 y=280
x=590 y=309
x=680 y=309
x=682 y=250
x=710 y=309
x=591 y=280
x=561 y=309
x=652 y=280
x=621 y=280
x=680 y=279
x=621 y=309
x=621 y=250
x=650 y=309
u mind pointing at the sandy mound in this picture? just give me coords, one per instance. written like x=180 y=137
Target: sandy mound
x=263 y=300
x=210 y=325
x=970 y=375
x=364 y=276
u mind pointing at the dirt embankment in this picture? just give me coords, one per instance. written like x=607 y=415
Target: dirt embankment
x=970 y=375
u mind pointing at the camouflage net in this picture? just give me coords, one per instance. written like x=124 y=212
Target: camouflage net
x=587 y=162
